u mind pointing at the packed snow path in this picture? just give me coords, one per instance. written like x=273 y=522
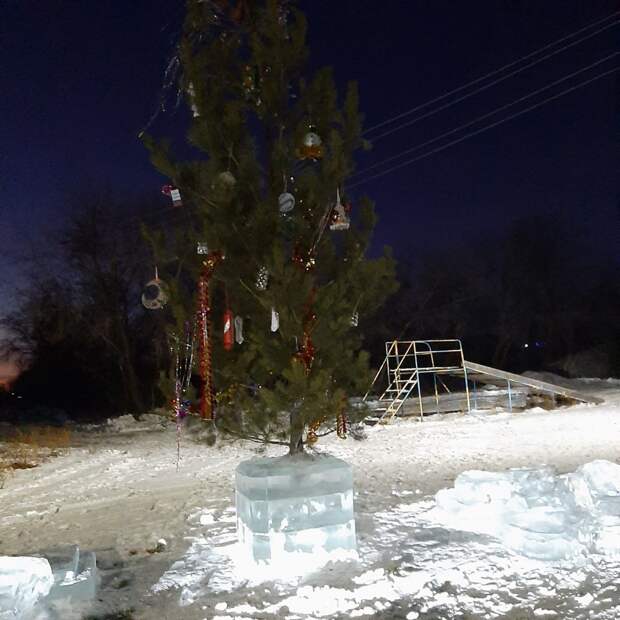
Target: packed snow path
x=120 y=492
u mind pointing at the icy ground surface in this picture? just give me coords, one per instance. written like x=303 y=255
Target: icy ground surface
x=119 y=493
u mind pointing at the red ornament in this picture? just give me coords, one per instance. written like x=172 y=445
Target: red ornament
x=305 y=355
x=229 y=330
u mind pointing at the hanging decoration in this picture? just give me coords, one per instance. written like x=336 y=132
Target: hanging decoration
x=262 y=279
x=229 y=330
x=275 y=320
x=155 y=294
x=339 y=218
x=250 y=83
x=305 y=353
x=311 y=436
x=355 y=319
x=192 y=100
x=174 y=194
x=202 y=247
x=203 y=320
x=227 y=179
x=312 y=145
x=341 y=426
x=286 y=200
x=238 y=323
x=182 y=376
x=304 y=260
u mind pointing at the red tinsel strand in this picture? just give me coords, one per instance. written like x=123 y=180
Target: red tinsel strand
x=205 y=342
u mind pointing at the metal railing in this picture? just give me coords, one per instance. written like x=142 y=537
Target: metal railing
x=408 y=360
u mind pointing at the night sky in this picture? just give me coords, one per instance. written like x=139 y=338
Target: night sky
x=81 y=78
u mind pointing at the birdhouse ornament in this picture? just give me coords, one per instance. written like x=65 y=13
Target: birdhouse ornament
x=155 y=294
x=339 y=219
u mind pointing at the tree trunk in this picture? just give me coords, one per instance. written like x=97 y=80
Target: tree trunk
x=296 y=439
x=130 y=379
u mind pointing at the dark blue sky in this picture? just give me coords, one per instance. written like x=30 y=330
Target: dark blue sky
x=80 y=78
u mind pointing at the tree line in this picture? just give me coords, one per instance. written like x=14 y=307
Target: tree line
x=527 y=299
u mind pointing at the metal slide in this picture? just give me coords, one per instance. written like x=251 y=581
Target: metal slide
x=487 y=373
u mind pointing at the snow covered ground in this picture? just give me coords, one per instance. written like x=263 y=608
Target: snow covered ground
x=119 y=492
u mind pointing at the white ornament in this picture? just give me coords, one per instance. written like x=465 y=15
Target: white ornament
x=312 y=139
x=155 y=295
x=355 y=319
x=202 y=248
x=192 y=98
x=286 y=202
x=175 y=194
x=262 y=279
x=227 y=178
x=239 y=330
x=275 y=320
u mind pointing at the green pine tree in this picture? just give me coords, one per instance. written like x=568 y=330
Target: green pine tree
x=252 y=110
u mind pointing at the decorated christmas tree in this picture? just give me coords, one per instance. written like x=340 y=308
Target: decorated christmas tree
x=269 y=276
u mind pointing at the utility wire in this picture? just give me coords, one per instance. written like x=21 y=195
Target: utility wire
x=483 y=116
x=445 y=106
x=499 y=70
x=483 y=129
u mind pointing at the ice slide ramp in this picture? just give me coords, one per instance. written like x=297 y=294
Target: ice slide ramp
x=487 y=374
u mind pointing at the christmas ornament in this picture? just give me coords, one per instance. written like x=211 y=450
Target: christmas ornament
x=174 y=193
x=305 y=260
x=238 y=329
x=207 y=396
x=341 y=425
x=249 y=81
x=355 y=319
x=262 y=279
x=286 y=202
x=226 y=179
x=312 y=437
x=275 y=320
x=202 y=248
x=155 y=294
x=182 y=377
x=192 y=100
x=228 y=330
x=312 y=146
x=339 y=218
x=305 y=355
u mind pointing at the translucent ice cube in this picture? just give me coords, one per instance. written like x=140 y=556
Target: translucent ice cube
x=292 y=505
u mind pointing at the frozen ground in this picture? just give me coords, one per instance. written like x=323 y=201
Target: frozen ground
x=119 y=493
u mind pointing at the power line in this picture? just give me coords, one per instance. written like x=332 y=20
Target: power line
x=500 y=69
x=483 y=129
x=483 y=116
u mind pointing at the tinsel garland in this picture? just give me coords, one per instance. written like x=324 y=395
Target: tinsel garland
x=205 y=341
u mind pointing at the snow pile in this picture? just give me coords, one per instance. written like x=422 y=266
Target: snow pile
x=536 y=513
x=23 y=581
